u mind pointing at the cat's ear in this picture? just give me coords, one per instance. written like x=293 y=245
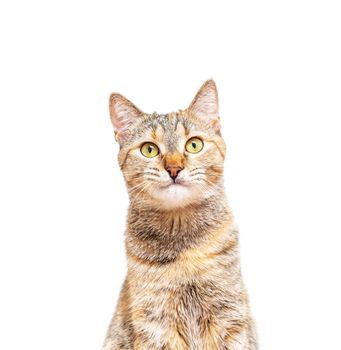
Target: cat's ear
x=122 y=113
x=205 y=104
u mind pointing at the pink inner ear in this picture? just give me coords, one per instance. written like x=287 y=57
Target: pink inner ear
x=207 y=111
x=123 y=113
x=120 y=116
x=205 y=104
x=121 y=123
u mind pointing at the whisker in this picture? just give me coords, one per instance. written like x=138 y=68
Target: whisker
x=198 y=173
x=151 y=173
x=194 y=169
x=146 y=185
x=135 y=188
x=199 y=178
x=152 y=179
x=208 y=188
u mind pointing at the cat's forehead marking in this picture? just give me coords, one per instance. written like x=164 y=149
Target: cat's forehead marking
x=158 y=133
x=173 y=131
x=180 y=129
x=170 y=129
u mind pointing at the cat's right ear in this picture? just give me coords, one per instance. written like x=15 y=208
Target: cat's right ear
x=205 y=105
x=123 y=113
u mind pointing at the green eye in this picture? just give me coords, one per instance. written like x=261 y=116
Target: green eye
x=149 y=150
x=194 y=145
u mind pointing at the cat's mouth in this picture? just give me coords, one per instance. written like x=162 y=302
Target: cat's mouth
x=176 y=183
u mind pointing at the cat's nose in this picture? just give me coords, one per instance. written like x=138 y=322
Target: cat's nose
x=173 y=171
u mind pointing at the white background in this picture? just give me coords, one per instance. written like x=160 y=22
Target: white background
x=62 y=198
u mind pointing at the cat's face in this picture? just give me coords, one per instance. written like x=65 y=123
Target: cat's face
x=171 y=160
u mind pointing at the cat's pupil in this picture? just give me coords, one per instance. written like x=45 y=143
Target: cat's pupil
x=194 y=145
x=150 y=149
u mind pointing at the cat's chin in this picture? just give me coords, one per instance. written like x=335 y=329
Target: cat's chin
x=175 y=196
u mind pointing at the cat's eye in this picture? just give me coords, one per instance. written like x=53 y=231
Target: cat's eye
x=149 y=150
x=194 y=145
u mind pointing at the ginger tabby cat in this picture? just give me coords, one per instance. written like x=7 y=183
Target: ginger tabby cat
x=184 y=289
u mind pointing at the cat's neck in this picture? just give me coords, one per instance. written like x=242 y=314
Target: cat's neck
x=158 y=235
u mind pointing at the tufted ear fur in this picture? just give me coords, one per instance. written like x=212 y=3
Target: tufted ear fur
x=205 y=104
x=122 y=113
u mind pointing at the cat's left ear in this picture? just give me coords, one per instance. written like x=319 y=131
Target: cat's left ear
x=123 y=114
x=205 y=105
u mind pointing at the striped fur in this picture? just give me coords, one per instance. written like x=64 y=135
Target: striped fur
x=183 y=288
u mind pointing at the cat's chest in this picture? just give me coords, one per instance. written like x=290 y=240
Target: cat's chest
x=197 y=313
x=200 y=304
x=200 y=284
x=191 y=300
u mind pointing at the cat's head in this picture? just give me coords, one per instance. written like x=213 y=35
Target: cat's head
x=171 y=160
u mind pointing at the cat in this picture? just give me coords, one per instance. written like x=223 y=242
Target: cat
x=183 y=288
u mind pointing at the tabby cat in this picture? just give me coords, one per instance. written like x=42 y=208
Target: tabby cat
x=183 y=288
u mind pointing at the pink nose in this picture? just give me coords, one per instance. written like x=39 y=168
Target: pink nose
x=173 y=171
